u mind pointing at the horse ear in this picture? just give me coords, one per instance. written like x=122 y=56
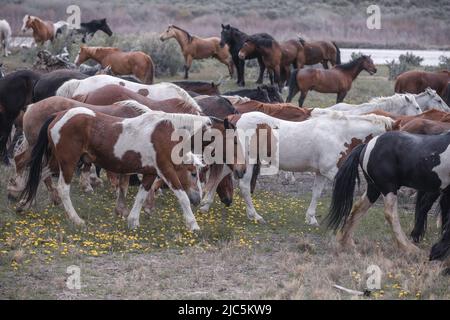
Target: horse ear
x=228 y=125
x=397 y=125
x=408 y=99
x=223 y=27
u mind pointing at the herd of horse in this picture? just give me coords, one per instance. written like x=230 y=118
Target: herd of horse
x=65 y=123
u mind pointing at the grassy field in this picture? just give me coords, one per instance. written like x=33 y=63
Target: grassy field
x=231 y=257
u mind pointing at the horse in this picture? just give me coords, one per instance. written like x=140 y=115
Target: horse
x=277 y=57
x=283 y=111
x=5 y=36
x=335 y=80
x=16 y=92
x=199 y=87
x=234 y=39
x=159 y=91
x=429 y=99
x=122 y=63
x=447 y=95
x=88 y=29
x=137 y=145
x=49 y=83
x=321 y=145
x=321 y=52
x=2 y=74
x=397 y=105
x=263 y=93
x=425 y=126
x=42 y=30
x=194 y=48
x=418 y=81
x=386 y=168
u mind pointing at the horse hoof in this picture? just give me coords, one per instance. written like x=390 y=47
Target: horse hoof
x=122 y=212
x=193 y=226
x=79 y=223
x=88 y=189
x=133 y=224
x=204 y=208
x=149 y=210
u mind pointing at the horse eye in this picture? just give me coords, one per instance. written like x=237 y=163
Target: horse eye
x=194 y=174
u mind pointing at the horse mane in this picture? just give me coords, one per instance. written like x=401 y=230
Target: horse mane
x=134 y=105
x=262 y=40
x=350 y=65
x=301 y=40
x=372 y=118
x=187 y=33
x=68 y=88
x=183 y=120
x=184 y=94
x=392 y=99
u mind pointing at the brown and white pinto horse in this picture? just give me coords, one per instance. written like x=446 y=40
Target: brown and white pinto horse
x=336 y=80
x=321 y=52
x=122 y=63
x=138 y=145
x=418 y=81
x=194 y=48
x=42 y=30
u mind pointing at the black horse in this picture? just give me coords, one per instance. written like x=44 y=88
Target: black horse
x=264 y=93
x=16 y=92
x=88 y=29
x=388 y=162
x=48 y=83
x=235 y=39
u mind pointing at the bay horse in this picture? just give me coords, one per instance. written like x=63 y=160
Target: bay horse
x=42 y=30
x=335 y=80
x=234 y=39
x=321 y=145
x=418 y=81
x=122 y=63
x=88 y=29
x=386 y=168
x=199 y=87
x=283 y=111
x=194 y=48
x=5 y=36
x=321 y=52
x=277 y=57
x=137 y=145
x=50 y=82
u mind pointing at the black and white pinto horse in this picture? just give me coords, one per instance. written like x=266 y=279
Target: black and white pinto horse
x=390 y=161
x=88 y=29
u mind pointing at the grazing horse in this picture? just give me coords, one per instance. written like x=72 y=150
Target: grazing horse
x=16 y=92
x=122 y=63
x=263 y=93
x=5 y=36
x=277 y=57
x=159 y=91
x=321 y=52
x=194 y=48
x=137 y=145
x=418 y=81
x=42 y=30
x=49 y=83
x=336 y=80
x=199 y=87
x=390 y=161
x=283 y=111
x=88 y=29
x=321 y=145
x=235 y=39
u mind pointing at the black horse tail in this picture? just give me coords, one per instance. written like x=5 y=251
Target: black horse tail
x=338 y=53
x=293 y=86
x=40 y=150
x=424 y=202
x=343 y=189
x=441 y=250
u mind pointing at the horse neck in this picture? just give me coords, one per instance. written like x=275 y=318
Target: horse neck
x=182 y=39
x=355 y=71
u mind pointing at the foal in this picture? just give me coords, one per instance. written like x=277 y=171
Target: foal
x=336 y=80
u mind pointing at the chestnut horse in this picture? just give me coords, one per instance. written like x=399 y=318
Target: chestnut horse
x=139 y=145
x=425 y=126
x=284 y=111
x=336 y=80
x=194 y=48
x=122 y=63
x=42 y=30
x=419 y=81
x=321 y=52
x=277 y=57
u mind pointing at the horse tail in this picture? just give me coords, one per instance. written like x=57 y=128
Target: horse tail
x=440 y=250
x=343 y=189
x=424 y=201
x=255 y=173
x=40 y=150
x=338 y=53
x=398 y=87
x=149 y=75
x=293 y=86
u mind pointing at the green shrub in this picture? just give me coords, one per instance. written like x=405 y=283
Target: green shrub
x=444 y=62
x=356 y=55
x=406 y=62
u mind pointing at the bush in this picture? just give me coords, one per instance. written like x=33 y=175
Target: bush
x=444 y=62
x=356 y=55
x=406 y=62
x=410 y=59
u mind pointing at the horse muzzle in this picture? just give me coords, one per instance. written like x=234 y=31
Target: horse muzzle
x=239 y=173
x=241 y=56
x=194 y=198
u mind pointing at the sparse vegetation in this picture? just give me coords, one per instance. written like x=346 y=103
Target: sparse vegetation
x=406 y=62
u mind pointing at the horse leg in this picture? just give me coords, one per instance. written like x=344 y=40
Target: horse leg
x=122 y=188
x=340 y=97
x=187 y=66
x=240 y=68
x=424 y=202
x=85 y=180
x=325 y=64
x=391 y=215
x=65 y=177
x=53 y=192
x=319 y=184
x=149 y=204
x=262 y=68
x=133 y=217
x=444 y=204
x=217 y=173
x=245 y=189
x=360 y=208
x=302 y=98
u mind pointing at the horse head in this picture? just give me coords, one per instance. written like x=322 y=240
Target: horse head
x=104 y=27
x=435 y=101
x=247 y=49
x=27 y=23
x=274 y=94
x=189 y=176
x=168 y=34
x=410 y=108
x=225 y=35
x=82 y=55
x=368 y=65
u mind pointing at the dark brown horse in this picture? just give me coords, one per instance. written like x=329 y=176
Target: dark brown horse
x=321 y=52
x=199 y=87
x=336 y=80
x=418 y=81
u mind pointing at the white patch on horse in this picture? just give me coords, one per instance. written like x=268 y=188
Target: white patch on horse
x=56 y=130
x=369 y=149
x=443 y=168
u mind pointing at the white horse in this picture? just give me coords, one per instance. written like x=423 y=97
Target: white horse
x=398 y=104
x=317 y=145
x=2 y=74
x=429 y=99
x=159 y=91
x=5 y=36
